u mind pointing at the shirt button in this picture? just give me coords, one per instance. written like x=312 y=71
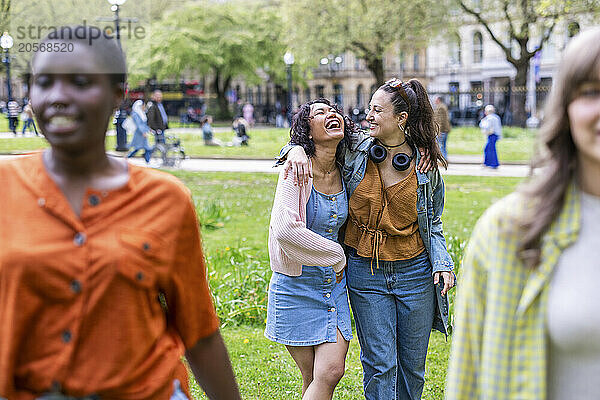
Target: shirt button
x=329 y=230
x=334 y=216
x=139 y=276
x=41 y=202
x=328 y=280
x=328 y=295
x=333 y=199
x=332 y=309
x=66 y=336
x=56 y=386
x=76 y=286
x=79 y=239
x=94 y=200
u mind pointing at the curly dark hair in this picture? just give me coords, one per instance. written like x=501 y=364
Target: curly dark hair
x=422 y=129
x=300 y=130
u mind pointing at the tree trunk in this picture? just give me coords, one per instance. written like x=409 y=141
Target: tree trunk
x=222 y=103
x=519 y=95
x=375 y=65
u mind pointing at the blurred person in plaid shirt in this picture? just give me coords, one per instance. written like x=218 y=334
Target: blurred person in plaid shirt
x=527 y=325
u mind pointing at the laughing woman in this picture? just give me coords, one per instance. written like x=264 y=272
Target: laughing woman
x=397 y=250
x=308 y=305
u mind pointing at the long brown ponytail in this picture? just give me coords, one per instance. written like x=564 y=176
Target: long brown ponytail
x=422 y=130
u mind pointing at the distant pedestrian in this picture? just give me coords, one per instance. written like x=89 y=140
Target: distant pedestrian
x=192 y=117
x=443 y=120
x=491 y=126
x=28 y=119
x=120 y=116
x=240 y=127
x=248 y=113
x=140 y=135
x=13 y=115
x=157 y=116
x=279 y=116
x=207 y=133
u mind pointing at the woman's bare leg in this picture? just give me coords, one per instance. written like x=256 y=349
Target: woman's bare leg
x=304 y=356
x=328 y=369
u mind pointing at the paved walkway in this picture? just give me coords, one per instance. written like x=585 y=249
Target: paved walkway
x=196 y=131
x=458 y=164
x=197 y=164
x=266 y=166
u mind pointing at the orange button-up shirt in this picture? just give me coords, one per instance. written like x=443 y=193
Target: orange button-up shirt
x=79 y=296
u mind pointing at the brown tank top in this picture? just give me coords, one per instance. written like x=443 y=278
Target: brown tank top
x=382 y=223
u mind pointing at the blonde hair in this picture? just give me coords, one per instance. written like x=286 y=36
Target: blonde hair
x=555 y=151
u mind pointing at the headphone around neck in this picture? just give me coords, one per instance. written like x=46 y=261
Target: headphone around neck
x=401 y=161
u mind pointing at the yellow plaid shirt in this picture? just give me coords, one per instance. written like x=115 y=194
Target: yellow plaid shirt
x=499 y=343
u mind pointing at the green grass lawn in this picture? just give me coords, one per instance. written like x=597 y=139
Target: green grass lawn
x=235 y=209
x=516 y=146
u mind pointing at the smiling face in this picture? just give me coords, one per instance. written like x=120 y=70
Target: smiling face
x=71 y=101
x=326 y=124
x=584 y=120
x=382 y=119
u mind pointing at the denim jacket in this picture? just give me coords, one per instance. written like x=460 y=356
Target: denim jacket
x=430 y=204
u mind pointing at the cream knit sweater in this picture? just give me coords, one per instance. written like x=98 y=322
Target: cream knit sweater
x=291 y=243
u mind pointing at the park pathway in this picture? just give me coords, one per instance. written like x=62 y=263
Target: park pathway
x=469 y=165
x=266 y=166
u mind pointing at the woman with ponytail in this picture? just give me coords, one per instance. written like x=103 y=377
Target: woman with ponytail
x=396 y=248
x=527 y=317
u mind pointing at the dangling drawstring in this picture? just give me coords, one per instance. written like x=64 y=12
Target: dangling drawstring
x=375 y=253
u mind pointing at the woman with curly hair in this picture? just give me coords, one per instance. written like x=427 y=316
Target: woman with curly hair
x=394 y=236
x=308 y=303
x=527 y=318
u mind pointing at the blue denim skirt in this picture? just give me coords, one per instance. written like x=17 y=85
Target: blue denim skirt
x=307 y=310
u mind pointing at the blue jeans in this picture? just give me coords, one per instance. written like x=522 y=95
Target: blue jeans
x=27 y=124
x=178 y=394
x=148 y=150
x=442 y=139
x=490 y=157
x=393 y=310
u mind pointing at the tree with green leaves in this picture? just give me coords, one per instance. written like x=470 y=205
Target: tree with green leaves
x=30 y=21
x=529 y=24
x=366 y=28
x=223 y=40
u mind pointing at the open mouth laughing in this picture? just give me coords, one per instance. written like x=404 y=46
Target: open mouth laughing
x=333 y=123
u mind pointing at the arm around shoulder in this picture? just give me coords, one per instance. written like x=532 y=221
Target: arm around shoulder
x=290 y=233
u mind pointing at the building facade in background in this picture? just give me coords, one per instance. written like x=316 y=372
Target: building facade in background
x=342 y=78
x=467 y=68
x=470 y=70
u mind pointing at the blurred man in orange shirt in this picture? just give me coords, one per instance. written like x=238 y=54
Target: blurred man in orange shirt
x=102 y=277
